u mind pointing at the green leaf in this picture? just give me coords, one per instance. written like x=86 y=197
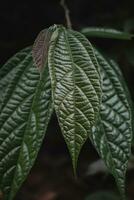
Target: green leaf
x=131 y=104
x=106 y=33
x=76 y=87
x=8 y=70
x=25 y=113
x=112 y=135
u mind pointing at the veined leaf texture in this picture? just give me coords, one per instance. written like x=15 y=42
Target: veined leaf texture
x=87 y=91
x=112 y=135
x=25 y=113
x=76 y=87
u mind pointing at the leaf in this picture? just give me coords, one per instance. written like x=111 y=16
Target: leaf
x=112 y=135
x=75 y=85
x=106 y=33
x=131 y=104
x=8 y=70
x=40 y=48
x=24 y=117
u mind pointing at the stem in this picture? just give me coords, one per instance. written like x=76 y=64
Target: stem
x=67 y=13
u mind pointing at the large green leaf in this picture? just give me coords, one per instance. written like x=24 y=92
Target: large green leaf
x=8 y=70
x=76 y=87
x=24 y=117
x=112 y=134
x=106 y=33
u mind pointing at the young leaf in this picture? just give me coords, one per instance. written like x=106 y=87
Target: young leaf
x=40 y=48
x=8 y=70
x=106 y=33
x=24 y=117
x=76 y=87
x=112 y=134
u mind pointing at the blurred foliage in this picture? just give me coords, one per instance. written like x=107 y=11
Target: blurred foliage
x=102 y=195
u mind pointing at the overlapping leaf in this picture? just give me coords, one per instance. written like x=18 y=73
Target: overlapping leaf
x=24 y=116
x=8 y=70
x=76 y=87
x=40 y=48
x=26 y=104
x=112 y=134
x=106 y=33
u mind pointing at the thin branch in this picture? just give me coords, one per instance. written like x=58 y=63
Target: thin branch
x=67 y=13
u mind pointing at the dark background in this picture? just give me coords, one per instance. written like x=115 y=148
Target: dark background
x=21 y=21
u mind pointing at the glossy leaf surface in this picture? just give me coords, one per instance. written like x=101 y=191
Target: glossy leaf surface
x=24 y=117
x=112 y=134
x=76 y=87
x=8 y=70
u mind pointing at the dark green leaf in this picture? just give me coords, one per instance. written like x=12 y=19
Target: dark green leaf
x=24 y=117
x=106 y=33
x=112 y=135
x=76 y=87
x=8 y=70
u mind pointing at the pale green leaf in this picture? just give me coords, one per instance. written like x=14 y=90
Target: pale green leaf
x=106 y=33
x=112 y=135
x=76 y=87
x=24 y=117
